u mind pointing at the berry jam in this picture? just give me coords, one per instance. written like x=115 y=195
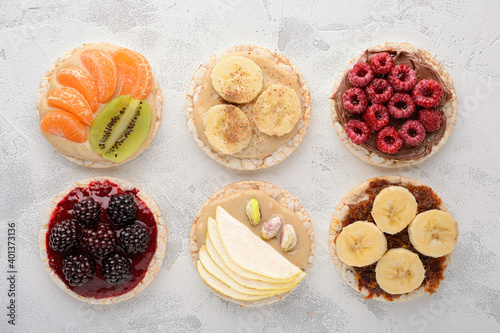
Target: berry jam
x=101 y=192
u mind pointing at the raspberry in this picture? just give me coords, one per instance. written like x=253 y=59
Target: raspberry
x=402 y=77
x=87 y=212
x=430 y=118
x=354 y=100
x=361 y=74
x=134 y=238
x=122 y=208
x=63 y=236
x=78 y=269
x=379 y=91
x=357 y=131
x=376 y=117
x=116 y=269
x=401 y=105
x=100 y=242
x=428 y=93
x=388 y=140
x=382 y=63
x=412 y=132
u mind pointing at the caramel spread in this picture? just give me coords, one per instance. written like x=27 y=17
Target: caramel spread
x=261 y=144
x=235 y=205
x=423 y=70
x=434 y=267
x=83 y=150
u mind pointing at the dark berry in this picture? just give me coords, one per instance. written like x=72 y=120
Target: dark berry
x=361 y=74
x=116 y=269
x=100 y=242
x=412 y=132
x=357 y=131
x=122 y=208
x=430 y=118
x=63 y=236
x=87 y=212
x=379 y=91
x=401 y=105
x=402 y=77
x=78 y=269
x=134 y=238
x=354 y=100
x=382 y=63
x=376 y=117
x=388 y=140
x=428 y=93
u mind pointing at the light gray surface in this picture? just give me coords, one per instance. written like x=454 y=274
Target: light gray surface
x=319 y=37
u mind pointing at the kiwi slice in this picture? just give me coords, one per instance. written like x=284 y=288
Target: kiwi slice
x=120 y=128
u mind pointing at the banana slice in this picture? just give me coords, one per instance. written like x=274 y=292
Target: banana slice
x=399 y=271
x=277 y=110
x=433 y=233
x=227 y=129
x=360 y=244
x=393 y=209
x=237 y=79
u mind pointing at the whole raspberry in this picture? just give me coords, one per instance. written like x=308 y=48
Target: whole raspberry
x=357 y=131
x=354 y=100
x=412 y=132
x=388 y=140
x=116 y=268
x=382 y=63
x=63 y=236
x=100 y=242
x=379 y=91
x=78 y=269
x=87 y=212
x=376 y=117
x=428 y=93
x=430 y=118
x=122 y=208
x=402 y=77
x=134 y=238
x=361 y=74
x=401 y=105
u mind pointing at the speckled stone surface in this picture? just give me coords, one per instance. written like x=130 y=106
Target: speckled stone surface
x=319 y=37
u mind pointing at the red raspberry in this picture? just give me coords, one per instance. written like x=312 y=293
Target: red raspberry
x=382 y=63
x=428 y=93
x=430 y=118
x=401 y=105
x=355 y=100
x=402 y=77
x=357 y=131
x=388 y=140
x=376 y=117
x=361 y=74
x=412 y=132
x=379 y=91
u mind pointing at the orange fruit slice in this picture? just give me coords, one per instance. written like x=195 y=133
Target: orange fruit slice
x=63 y=123
x=135 y=73
x=82 y=81
x=72 y=101
x=103 y=69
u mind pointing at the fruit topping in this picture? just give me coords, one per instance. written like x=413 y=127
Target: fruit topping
x=116 y=269
x=135 y=73
x=376 y=117
x=78 y=269
x=428 y=93
x=382 y=63
x=271 y=228
x=357 y=131
x=63 y=123
x=388 y=140
x=361 y=74
x=82 y=81
x=252 y=210
x=288 y=238
x=100 y=242
x=122 y=208
x=393 y=209
x=412 y=132
x=72 y=101
x=134 y=238
x=379 y=91
x=354 y=100
x=87 y=212
x=401 y=105
x=402 y=77
x=103 y=69
x=430 y=118
x=64 y=235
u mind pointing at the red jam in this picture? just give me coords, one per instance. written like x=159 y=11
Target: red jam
x=101 y=191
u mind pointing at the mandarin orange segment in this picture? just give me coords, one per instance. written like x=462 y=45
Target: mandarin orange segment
x=135 y=73
x=60 y=122
x=82 y=81
x=72 y=101
x=103 y=69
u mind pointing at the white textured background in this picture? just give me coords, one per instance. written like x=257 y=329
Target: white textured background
x=319 y=37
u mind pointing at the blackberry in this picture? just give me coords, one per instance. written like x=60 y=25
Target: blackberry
x=116 y=269
x=63 y=236
x=122 y=208
x=134 y=238
x=100 y=242
x=78 y=269
x=87 y=212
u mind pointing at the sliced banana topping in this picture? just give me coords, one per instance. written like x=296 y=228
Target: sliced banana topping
x=399 y=271
x=227 y=129
x=360 y=244
x=277 y=110
x=237 y=79
x=393 y=209
x=433 y=233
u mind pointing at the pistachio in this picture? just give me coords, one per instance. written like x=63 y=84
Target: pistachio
x=288 y=237
x=270 y=228
x=253 y=211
